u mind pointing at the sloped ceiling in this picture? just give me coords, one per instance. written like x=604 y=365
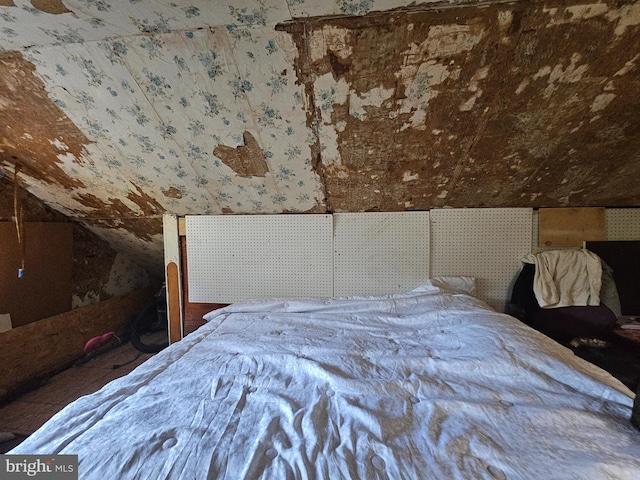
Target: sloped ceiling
x=116 y=112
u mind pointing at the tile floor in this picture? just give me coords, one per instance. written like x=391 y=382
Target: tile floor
x=28 y=412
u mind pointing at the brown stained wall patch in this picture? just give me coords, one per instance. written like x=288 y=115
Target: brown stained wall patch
x=502 y=105
x=117 y=208
x=147 y=204
x=338 y=66
x=33 y=129
x=92 y=262
x=246 y=160
x=7 y=3
x=33 y=209
x=306 y=77
x=54 y=7
x=172 y=192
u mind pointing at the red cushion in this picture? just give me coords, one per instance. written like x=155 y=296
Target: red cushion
x=97 y=342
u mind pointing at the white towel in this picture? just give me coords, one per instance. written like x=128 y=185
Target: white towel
x=566 y=278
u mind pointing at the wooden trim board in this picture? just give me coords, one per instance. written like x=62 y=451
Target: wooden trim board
x=173 y=279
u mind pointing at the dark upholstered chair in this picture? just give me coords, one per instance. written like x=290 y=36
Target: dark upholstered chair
x=562 y=324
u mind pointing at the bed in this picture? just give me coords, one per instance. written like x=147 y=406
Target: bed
x=431 y=383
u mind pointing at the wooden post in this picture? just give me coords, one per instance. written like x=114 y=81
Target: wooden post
x=172 y=277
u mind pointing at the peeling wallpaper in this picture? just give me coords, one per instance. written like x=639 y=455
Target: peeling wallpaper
x=154 y=111
x=490 y=107
x=118 y=112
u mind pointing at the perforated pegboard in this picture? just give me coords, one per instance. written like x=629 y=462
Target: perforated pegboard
x=486 y=243
x=379 y=253
x=234 y=258
x=623 y=223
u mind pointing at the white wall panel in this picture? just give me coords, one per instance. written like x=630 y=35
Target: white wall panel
x=486 y=243
x=379 y=253
x=234 y=258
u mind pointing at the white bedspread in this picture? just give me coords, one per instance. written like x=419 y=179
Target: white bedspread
x=427 y=384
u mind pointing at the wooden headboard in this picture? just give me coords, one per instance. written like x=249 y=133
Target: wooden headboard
x=369 y=254
x=485 y=243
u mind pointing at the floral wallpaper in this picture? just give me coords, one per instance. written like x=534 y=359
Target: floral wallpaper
x=155 y=107
x=78 y=21
x=156 y=88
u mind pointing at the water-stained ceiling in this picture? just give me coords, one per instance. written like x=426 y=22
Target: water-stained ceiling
x=114 y=113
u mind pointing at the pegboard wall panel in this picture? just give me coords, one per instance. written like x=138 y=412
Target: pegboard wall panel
x=623 y=223
x=380 y=253
x=486 y=243
x=234 y=258
x=535 y=232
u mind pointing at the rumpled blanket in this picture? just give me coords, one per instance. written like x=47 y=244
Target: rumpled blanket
x=427 y=385
x=566 y=278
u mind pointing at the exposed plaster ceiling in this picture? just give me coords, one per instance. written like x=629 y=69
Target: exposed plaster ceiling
x=118 y=112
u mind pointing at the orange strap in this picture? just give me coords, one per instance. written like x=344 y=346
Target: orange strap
x=17 y=212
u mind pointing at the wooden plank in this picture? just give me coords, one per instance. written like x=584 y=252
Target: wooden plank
x=570 y=227
x=173 y=303
x=38 y=349
x=45 y=288
x=193 y=316
x=173 y=279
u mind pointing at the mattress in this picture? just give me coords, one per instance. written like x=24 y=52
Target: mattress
x=429 y=384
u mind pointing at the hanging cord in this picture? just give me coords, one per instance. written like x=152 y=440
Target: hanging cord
x=17 y=212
